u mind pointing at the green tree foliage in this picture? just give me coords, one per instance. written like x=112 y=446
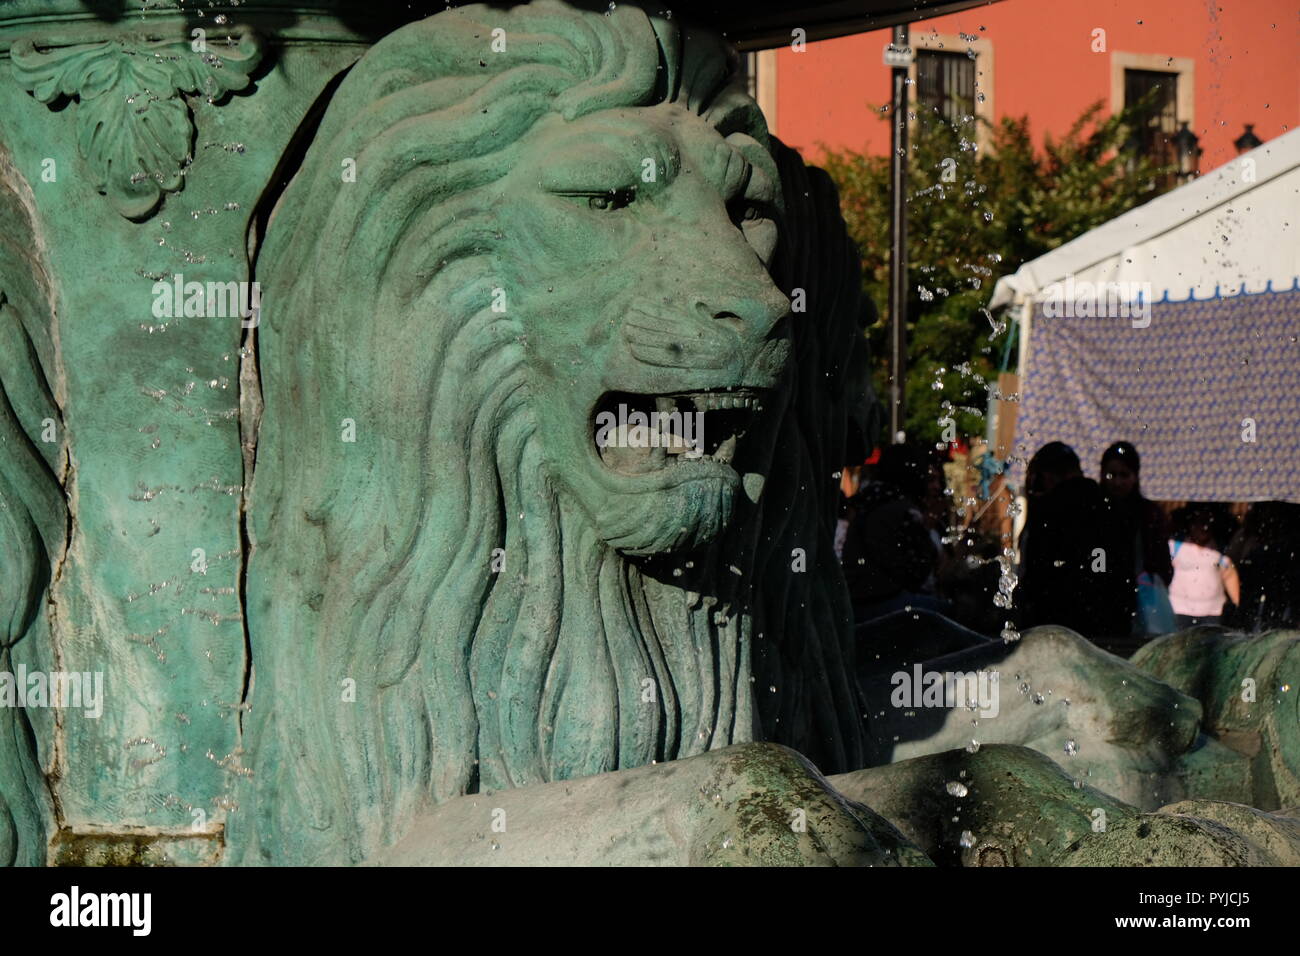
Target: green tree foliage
x=997 y=208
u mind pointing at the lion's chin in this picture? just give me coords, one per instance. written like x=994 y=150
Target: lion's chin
x=667 y=467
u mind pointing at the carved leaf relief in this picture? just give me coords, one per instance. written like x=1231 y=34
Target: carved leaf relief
x=134 y=127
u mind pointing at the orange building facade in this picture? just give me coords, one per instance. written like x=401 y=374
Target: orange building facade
x=1218 y=65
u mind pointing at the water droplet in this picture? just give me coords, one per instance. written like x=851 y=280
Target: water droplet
x=956 y=788
x=1071 y=748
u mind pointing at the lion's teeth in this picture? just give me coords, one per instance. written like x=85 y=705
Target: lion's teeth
x=627 y=451
x=726 y=450
x=673 y=442
x=714 y=401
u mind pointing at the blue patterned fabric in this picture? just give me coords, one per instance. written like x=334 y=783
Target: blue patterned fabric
x=1179 y=390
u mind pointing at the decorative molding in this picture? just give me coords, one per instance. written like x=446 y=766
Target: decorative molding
x=134 y=126
x=60 y=23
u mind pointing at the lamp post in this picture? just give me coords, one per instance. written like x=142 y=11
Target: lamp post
x=898 y=56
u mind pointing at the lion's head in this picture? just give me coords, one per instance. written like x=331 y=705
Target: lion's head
x=551 y=213
x=633 y=247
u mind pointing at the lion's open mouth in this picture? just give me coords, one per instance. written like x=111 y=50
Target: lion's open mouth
x=638 y=433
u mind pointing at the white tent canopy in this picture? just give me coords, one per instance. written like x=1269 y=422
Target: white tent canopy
x=1209 y=389
x=1238 y=225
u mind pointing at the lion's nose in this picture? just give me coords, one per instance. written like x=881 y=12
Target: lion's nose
x=750 y=315
x=732 y=319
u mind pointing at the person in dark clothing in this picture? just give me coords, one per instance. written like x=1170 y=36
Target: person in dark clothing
x=1266 y=552
x=890 y=554
x=1065 y=548
x=1140 y=521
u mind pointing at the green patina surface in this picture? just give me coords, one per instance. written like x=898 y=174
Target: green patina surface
x=1011 y=806
x=1249 y=689
x=767 y=806
x=583 y=217
x=364 y=561
x=228 y=607
x=1017 y=806
x=127 y=156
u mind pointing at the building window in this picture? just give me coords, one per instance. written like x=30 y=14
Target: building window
x=1160 y=88
x=758 y=70
x=952 y=79
x=945 y=84
x=749 y=67
x=1153 y=96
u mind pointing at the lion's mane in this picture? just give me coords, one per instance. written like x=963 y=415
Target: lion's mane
x=372 y=561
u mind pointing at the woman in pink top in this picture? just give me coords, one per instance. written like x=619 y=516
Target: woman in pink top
x=1203 y=576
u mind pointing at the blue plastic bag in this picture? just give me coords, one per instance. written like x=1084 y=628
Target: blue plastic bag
x=1155 y=612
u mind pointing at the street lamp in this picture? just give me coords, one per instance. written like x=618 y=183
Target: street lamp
x=1188 y=146
x=1247 y=140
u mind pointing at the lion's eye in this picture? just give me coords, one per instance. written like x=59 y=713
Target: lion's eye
x=614 y=199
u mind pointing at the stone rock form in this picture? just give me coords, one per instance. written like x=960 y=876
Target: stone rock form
x=1179 y=839
x=1275 y=836
x=1249 y=690
x=1103 y=720
x=748 y=805
x=1016 y=805
x=1011 y=806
